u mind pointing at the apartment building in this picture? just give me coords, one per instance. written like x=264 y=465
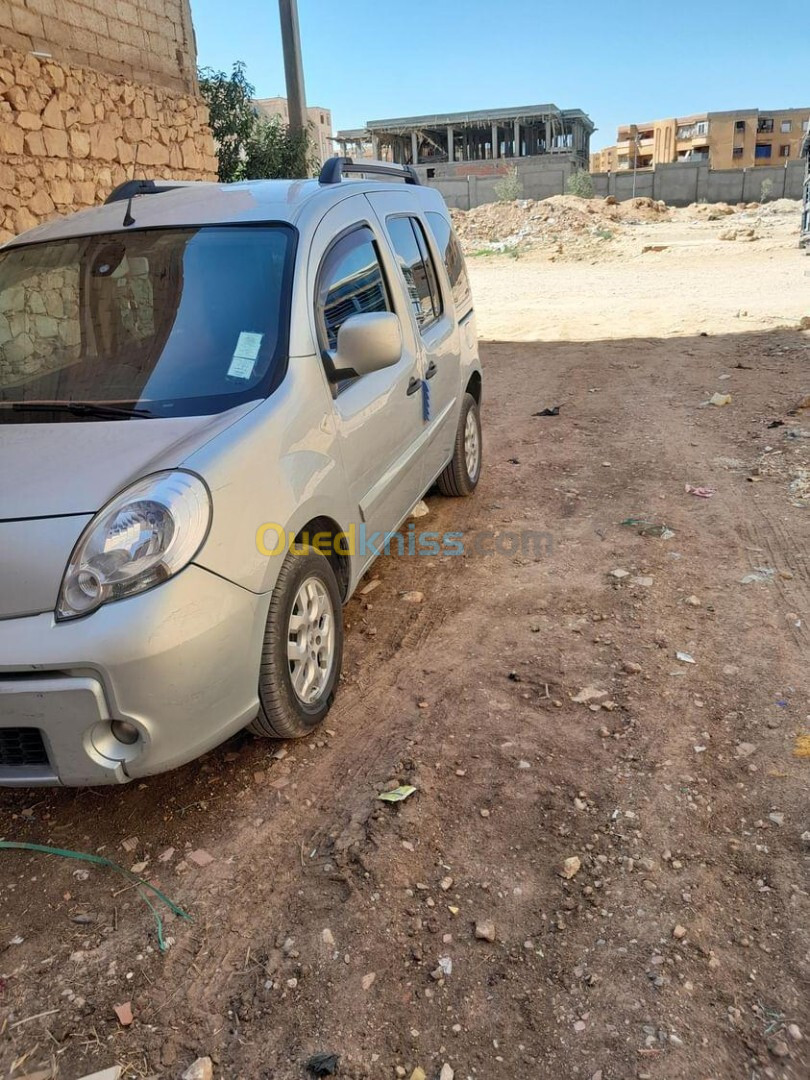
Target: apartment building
x=320 y=122
x=724 y=140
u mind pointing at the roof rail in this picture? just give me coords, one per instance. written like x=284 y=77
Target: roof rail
x=138 y=187
x=335 y=168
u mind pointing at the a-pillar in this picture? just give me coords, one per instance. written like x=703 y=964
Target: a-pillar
x=517 y=138
x=450 y=137
x=495 y=141
x=414 y=148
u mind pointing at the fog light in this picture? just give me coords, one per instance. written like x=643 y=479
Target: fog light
x=125 y=732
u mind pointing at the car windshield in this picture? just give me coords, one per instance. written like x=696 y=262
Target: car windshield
x=149 y=323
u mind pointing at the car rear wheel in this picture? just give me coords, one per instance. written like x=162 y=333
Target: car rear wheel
x=460 y=477
x=303 y=648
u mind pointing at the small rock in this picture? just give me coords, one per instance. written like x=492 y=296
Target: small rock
x=130 y=843
x=420 y=510
x=167 y=855
x=368 y=980
x=201 y=1069
x=631 y=667
x=484 y=813
x=619 y=574
x=446 y=883
x=794 y=1031
x=417 y=1074
x=524 y=764
x=780 y=1048
x=744 y=749
x=644 y=580
x=777 y=819
x=580 y=1026
x=692 y=601
x=589 y=693
x=138 y=868
x=413 y=597
x=327 y=937
x=446 y=1073
x=679 y=931
x=200 y=857
x=372 y=585
x=485 y=931
x=570 y=867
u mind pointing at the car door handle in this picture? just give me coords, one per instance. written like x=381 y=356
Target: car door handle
x=413 y=386
x=431 y=371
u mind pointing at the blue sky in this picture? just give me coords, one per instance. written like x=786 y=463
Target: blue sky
x=619 y=61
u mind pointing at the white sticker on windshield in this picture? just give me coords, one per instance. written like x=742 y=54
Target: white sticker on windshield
x=244 y=355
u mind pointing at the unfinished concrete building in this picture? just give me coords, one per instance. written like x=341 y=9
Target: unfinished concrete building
x=486 y=135
x=466 y=154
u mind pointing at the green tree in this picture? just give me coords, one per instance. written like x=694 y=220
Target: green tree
x=250 y=146
x=232 y=116
x=580 y=183
x=274 y=152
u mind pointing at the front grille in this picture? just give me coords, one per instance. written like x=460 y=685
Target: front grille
x=21 y=746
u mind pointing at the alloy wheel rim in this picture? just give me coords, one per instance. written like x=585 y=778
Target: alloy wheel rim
x=472 y=445
x=311 y=641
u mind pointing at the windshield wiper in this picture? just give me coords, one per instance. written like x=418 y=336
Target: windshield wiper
x=78 y=408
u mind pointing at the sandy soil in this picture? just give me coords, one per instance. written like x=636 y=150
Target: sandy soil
x=669 y=275
x=325 y=918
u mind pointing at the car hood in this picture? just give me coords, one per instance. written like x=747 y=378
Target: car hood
x=52 y=470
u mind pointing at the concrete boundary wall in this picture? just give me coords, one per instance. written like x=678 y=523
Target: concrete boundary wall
x=539 y=178
x=688 y=182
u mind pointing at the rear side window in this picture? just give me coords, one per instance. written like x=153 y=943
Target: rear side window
x=453 y=259
x=351 y=282
x=410 y=247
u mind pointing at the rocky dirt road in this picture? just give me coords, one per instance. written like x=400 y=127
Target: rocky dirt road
x=602 y=872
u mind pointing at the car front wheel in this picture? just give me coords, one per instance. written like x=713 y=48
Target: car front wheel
x=303 y=647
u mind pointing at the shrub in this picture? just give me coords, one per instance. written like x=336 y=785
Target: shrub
x=580 y=183
x=509 y=187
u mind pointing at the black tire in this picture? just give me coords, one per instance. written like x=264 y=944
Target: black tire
x=455 y=481
x=282 y=714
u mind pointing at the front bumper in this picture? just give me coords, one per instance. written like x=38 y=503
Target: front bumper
x=180 y=663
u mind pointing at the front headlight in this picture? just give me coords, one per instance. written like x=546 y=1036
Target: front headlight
x=147 y=533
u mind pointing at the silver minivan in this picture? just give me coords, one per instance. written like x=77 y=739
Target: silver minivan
x=218 y=403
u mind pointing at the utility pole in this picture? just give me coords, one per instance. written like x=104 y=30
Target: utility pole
x=293 y=66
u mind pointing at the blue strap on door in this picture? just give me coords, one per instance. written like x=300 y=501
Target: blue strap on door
x=425 y=400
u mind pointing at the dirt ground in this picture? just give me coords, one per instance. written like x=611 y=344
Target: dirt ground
x=678 y=946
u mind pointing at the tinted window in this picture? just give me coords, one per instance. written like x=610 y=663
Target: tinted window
x=171 y=321
x=453 y=259
x=351 y=282
x=417 y=268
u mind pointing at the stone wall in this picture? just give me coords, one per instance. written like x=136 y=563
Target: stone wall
x=69 y=134
x=146 y=41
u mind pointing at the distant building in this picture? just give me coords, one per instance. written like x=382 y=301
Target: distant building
x=320 y=120
x=484 y=135
x=725 y=140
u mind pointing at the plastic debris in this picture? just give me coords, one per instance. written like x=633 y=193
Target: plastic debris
x=398 y=794
x=685 y=658
x=701 y=492
x=323 y=1064
x=549 y=412
x=100 y=860
x=760 y=574
x=648 y=528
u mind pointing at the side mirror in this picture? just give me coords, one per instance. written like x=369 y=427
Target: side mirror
x=366 y=343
